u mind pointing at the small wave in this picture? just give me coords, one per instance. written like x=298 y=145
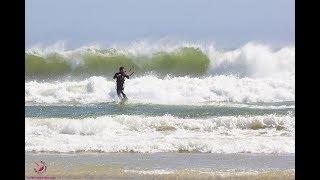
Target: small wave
x=119 y=133
x=218 y=174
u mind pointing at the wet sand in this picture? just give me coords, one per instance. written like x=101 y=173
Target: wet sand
x=162 y=166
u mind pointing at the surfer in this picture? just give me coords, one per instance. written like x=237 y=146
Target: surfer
x=120 y=76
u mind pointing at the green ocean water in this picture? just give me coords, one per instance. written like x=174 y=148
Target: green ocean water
x=180 y=62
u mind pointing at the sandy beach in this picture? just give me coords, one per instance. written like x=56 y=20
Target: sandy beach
x=162 y=166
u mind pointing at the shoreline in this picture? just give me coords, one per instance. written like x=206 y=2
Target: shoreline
x=163 y=165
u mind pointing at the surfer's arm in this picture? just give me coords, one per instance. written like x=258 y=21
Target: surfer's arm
x=124 y=74
x=115 y=75
x=131 y=72
x=128 y=75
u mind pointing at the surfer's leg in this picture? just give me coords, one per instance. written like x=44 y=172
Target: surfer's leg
x=119 y=92
x=124 y=95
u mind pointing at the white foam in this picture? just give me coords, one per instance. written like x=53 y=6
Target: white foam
x=250 y=60
x=257 y=134
x=170 y=90
x=251 y=73
x=253 y=60
x=216 y=174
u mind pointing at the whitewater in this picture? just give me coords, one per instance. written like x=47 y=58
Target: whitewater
x=252 y=73
x=183 y=97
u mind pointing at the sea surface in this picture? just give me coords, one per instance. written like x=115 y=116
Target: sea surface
x=184 y=100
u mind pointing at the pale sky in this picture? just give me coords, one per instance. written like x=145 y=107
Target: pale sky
x=228 y=23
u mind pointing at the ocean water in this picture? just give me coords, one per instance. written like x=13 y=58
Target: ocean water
x=182 y=98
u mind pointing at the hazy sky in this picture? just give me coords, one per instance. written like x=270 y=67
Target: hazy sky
x=228 y=23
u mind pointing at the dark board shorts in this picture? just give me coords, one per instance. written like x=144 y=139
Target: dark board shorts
x=120 y=87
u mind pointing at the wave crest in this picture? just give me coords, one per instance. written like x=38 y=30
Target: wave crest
x=250 y=60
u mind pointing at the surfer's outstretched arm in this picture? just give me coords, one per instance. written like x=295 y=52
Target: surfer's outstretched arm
x=128 y=75
x=131 y=72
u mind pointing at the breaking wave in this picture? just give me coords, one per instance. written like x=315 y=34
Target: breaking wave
x=184 y=59
x=124 y=133
x=169 y=90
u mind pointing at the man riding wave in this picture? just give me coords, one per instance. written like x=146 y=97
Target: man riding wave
x=120 y=76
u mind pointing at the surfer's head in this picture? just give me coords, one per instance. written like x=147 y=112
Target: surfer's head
x=121 y=68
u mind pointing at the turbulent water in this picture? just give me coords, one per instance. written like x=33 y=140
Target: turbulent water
x=183 y=97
